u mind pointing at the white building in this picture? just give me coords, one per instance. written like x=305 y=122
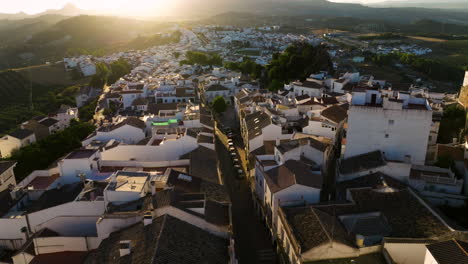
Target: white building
x=311 y=87
x=125 y=186
x=326 y=122
x=88 y=68
x=215 y=90
x=130 y=131
x=259 y=127
x=64 y=115
x=79 y=162
x=289 y=183
x=15 y=140
x=396 y=125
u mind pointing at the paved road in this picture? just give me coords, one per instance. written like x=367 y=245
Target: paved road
x=252 y=240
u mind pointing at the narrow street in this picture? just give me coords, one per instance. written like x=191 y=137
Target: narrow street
x=253 y=244
x=252 y=240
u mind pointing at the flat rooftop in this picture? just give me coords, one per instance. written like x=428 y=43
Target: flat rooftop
x=43 y=182
x=129 y=181
x=81 y=154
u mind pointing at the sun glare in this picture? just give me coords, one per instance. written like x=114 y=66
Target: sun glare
x=120 y=7
x=125 y=7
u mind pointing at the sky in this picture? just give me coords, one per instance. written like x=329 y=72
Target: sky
x=107 y=6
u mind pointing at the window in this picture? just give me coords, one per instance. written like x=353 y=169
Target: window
x=386 y=135
x=391 y=122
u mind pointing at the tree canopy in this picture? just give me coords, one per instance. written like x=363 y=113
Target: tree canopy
x=100 y=78
x=247 y=66
x=452 y=124
x=297 y=62
x=434 y=69
x=219 y=104
x=119 y=68
x=41 y=154
x=202 y=58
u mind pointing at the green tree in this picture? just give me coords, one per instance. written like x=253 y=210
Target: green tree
x=102 y=74
x=275 y=85
x=298 y=61
x=452 y=124
x=41 y=154
x=118 y=68
x=219 y=104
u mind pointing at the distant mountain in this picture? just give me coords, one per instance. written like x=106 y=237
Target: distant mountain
x=67 y=10
x=442 y=4
x=20 y=15
x=315 y=9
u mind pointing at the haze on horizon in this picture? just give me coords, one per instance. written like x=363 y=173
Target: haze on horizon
x=120 y=7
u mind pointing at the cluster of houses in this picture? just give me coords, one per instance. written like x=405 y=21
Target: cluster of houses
x=343 y=168
x=138 y=189
x=36 y=129
x=143 y=188
x=340 y=167
x=233 y=43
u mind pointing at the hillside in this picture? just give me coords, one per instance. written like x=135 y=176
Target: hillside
x=317 y=9
x=50 y=37
x=444 y=4
x=16 y=31
x=18 y=87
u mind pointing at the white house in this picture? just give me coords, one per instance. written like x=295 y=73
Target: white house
x=79 y=162
x=311 y=87
x=125 y=186
x=64 y=115
x=15 y=140
x=130 y=131
x=399 y=126
x=87 y=67
x=259 y=127
x=292 y=182
x=325 y=123
x=214 y=90
x=128 y=96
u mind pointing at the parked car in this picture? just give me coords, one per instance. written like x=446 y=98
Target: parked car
x=240 y=174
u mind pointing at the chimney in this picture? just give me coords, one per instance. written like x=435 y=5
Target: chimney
x=147 y=218
x=125 y=248
x=277 y=141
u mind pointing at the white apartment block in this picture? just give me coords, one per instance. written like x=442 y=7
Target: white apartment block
x=396 y=124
